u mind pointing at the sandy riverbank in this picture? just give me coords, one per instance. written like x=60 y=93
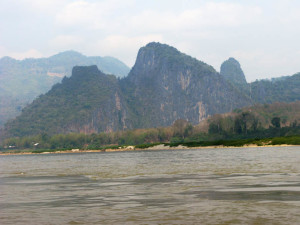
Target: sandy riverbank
x=156 y=147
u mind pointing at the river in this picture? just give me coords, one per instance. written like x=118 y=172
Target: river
x=198 y=186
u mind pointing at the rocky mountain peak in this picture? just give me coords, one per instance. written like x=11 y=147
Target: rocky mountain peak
x=7 y=59
x=152 y=52
x=67 y=54
x=81 y=70
x=232 y=71
x=156 y=59
x=163 y=86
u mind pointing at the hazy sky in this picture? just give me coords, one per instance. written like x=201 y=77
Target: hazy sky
x=264 y=36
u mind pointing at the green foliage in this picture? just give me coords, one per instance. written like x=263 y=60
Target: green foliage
x=232 y=72
x=292 y=140
x=276 y=122
x=175 y=57
x=68 y=106
x=289 y=140
x=251 y=121
x=284 y=89
x=149 y=138
x=91 y=102
x=182 y=128
x=22 y=81
x=235 y=129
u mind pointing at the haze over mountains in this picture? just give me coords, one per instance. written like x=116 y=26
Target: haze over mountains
x=282 y=89
x=164 y=85
x=21 y=81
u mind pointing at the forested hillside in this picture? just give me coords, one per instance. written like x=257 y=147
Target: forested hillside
x=285 y=89
x=167 y=85
x=163 y=86
x=281 y=89
x=87 y=100
x=255 y=122
x=21 y=81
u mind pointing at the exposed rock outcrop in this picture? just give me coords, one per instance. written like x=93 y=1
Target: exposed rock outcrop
x=163 y=86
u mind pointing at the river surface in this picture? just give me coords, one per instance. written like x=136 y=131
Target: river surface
x=199 y=186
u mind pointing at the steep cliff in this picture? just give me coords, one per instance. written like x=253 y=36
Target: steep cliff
x=23 y=80
x=232 y=71
x=168 y=85
x=164 y=85
x=283 y=89
x=89 y=101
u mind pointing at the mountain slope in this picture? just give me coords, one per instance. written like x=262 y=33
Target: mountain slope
x=62 y=63
x=24 y=80
x=167 y=85
x=84 y=102
x=163 y=86
x=282 y=89
x=285 y=89
x=232 y=72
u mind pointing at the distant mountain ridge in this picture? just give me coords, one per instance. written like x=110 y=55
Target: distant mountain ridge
x=73 y=105
x=21 y=81
x=164 y=85
x=284 y=89
x=170 y=85
x=281 y=89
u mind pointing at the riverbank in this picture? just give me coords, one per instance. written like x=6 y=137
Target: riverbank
x=132 y=148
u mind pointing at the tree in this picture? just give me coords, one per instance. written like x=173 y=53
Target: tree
x=181 y=128
x=276 y=122
x=215 y=125
x=294 y=124
x=188 y=130
x=244 y=122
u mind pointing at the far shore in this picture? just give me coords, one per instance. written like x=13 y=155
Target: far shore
x=129 y=148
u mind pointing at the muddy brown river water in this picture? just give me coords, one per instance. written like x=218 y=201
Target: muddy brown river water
x=199 y=186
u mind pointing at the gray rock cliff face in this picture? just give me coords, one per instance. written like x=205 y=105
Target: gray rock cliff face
x=282 y=89
x=23 y=80
x=87 y=102
x=164 y=85
x=232 y=71
x=170 y=85
x=106 y=109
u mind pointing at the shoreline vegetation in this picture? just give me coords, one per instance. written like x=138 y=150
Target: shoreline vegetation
x=259 y=125
x=246 y=143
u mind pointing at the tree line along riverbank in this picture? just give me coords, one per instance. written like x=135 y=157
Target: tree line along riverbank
x=259 y=125
x=252 y=142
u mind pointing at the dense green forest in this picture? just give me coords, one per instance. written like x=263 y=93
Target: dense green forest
x=172 y=136
x=23 y=80
x=76 y=107
x=255 y=124
x=255 y=118
x=164 y=85
x=283 y=89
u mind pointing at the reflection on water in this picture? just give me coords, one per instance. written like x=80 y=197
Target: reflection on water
x=207 y=186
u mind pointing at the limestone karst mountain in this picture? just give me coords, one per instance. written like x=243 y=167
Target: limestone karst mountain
x=21 y=81
x=232 y=71
x=164 y=85
x=282 y=89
